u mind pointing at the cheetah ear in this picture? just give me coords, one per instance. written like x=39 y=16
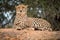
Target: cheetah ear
x=16 y=6
x=26 y=5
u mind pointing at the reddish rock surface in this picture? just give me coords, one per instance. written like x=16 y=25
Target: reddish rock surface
x=13 y=34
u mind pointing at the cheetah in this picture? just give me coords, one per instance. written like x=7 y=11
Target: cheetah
x=22 y=21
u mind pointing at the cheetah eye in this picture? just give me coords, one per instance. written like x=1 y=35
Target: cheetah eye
x=22 y=7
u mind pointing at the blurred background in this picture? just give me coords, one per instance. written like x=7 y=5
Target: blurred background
x=46 y=9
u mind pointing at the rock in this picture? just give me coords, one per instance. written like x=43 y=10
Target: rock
x=13 y=34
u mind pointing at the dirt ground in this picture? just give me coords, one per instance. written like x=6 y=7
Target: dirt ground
x=13 y=34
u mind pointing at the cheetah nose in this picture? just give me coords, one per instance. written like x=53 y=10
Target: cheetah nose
x=20 y=10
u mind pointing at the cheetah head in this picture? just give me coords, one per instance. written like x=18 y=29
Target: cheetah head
x=21 y=9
